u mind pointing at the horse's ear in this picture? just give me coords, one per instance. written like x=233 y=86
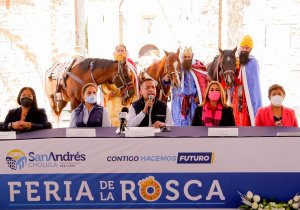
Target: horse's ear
x=234 y=50
x=166 y=52
x=221 y=51
x=178 y=51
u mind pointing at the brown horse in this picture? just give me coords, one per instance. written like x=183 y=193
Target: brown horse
x=169 y=64
x=87 y=70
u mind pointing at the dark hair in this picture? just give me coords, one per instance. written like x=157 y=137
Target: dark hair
x=83 y=89
x=145 y=80
x=273 y=87
x=34 y=103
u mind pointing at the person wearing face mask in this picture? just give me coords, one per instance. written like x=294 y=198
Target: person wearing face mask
x=214 y=111
x=89 y=113
x=148 y=111
x=275 y=114
x=247 y=94
x=28 y=116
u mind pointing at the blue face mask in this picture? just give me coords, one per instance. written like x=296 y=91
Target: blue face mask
x=91 y=99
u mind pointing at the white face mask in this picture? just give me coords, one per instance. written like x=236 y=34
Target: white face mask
x=276 y=100
x=91 y=99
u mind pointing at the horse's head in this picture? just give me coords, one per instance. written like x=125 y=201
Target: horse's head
x=123 y=81
x=172 y=67
x=227 y=64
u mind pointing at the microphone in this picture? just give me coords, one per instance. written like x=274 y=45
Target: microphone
x=123 y=118
x=150 y=97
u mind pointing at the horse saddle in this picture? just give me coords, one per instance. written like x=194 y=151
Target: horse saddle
x=59 y=71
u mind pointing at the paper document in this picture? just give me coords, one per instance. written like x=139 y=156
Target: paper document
x=8 y=135
x=81 y=132
x=223 y=132
x=288 y=134
x=141 y=131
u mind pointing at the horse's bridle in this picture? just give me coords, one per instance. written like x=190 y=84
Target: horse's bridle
x=166 y=69
x=227 y=71
x=222 y=72
x=158 y=83
x=120 y=80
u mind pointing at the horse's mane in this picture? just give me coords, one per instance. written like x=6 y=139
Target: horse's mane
x=213 y=68
x=158 y=64
x=98 y=63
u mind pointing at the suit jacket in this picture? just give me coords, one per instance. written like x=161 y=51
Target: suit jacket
x=226 y=120
x=38 y=118
x=264 y=117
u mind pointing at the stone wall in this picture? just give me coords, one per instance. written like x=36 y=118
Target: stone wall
x=274 y=26
x=34 y=34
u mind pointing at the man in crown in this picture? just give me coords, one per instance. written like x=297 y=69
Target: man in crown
x=112 y=96
x=247 y=93
x=193 y=84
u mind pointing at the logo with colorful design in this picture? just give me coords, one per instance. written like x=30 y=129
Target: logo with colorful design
x=16 y=159
x=150 y=189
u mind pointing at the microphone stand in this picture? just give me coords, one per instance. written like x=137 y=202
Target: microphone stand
x=122 y=128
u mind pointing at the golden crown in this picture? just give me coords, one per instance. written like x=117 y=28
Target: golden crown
x=121 y=44
x=187 y=50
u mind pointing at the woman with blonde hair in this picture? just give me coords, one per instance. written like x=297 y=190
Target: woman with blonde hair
x=214 y=110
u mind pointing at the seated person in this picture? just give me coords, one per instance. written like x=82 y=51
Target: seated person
x=275 y=114
x=28 y=116
x=214 y=110
x=148 y=111
x=89 y=113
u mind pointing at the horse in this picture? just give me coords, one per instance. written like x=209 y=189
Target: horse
x=112 y=97
x=168 y=65
x=88 y=70
x=223 y=70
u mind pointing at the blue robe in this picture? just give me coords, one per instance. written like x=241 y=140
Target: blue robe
x=189 y=89
x=252 y=87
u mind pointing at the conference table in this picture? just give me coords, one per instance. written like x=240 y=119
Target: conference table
x=185 y=168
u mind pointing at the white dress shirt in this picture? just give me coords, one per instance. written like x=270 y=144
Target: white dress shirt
x=105 y=117
x=135 y=119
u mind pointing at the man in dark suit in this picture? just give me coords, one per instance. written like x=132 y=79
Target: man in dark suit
x=148 y=111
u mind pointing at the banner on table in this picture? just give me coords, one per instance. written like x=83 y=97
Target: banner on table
x=145 y=173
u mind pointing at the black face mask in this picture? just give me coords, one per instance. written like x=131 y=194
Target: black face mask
x=244 y=57
x=26 y=102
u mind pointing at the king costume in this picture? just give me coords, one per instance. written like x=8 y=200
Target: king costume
x=247 y=93
x=193 y=84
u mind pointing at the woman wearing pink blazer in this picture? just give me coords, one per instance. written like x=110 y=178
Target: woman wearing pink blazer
x=276 y=114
